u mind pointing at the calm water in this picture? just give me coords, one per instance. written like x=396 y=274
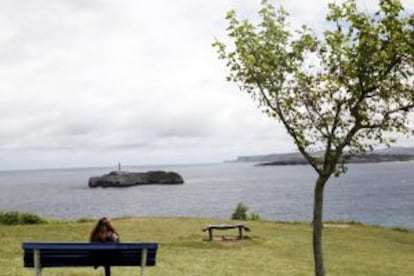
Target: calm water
x=380 y=194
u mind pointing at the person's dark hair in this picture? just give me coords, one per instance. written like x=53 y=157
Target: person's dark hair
x=104 y=232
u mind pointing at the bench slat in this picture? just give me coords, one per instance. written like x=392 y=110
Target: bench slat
x=226 y=227
x=240 y=227
x=89 y=254
x=88 y=246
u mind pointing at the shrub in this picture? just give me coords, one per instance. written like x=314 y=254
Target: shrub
x=240 y=213
x=27 y=218
x=14 y=218
x=255 y=217
x=85 y=219
x=9 y=218
x=400 y=229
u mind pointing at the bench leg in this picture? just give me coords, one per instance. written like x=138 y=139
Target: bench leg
x=210 y=234
x=37 y=265
x=143 y=260
x=107 y=270
x=240 y=233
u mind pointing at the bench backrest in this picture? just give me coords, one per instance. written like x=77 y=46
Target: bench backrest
x=90 y=254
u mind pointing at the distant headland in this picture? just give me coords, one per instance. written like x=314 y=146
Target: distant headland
x=383 y=155
x=121 y=179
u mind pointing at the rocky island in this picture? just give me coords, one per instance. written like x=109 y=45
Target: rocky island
x=122 y=179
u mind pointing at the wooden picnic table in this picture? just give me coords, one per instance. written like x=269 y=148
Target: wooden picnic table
x=240 y=227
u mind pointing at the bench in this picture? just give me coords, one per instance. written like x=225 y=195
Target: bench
x=41 y=255
x=210 y=229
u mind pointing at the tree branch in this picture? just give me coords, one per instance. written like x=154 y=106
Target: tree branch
x=386 y=116
x=388 y=70
x=325 y=135
x=331 y=138
x=290 y=130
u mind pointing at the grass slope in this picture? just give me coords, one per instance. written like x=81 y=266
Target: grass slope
x=271 y=249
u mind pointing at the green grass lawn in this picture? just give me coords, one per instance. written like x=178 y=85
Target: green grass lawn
x=271 y=248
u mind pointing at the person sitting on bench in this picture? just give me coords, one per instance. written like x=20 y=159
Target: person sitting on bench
x=104 y=232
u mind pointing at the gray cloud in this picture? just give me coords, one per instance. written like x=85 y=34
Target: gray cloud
x=89 y=83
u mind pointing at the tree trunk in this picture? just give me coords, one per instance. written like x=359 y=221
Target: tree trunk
x=317 y=225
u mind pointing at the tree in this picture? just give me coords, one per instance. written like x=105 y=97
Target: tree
x=343 y=92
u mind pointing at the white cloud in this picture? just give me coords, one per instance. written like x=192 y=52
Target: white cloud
x=96 y=82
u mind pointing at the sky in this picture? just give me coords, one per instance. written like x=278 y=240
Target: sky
x=97 y=82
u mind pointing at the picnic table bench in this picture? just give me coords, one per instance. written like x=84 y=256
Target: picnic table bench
x=210 y=229
x=41 y=255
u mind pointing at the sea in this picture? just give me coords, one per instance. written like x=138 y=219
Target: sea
x=379 y=193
